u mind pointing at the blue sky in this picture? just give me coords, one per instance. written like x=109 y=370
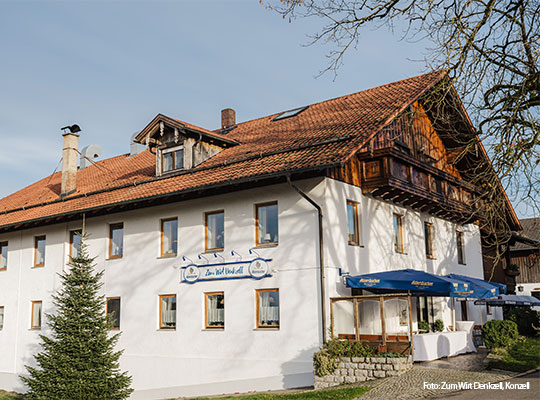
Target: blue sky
x=112 y=66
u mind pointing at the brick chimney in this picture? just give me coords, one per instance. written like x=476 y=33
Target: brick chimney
x=228 y=118
x=70 y=156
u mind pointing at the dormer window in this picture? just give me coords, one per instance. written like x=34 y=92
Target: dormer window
x=180 y=146
x=172 y=159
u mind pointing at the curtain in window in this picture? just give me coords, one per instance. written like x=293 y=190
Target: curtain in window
x=215 y=231
x=179 y=159
x=216 y=310
x=167 y=162
x=170 y=236
x=351 y=223
x=369 y=314
x=268 y=223
x=76 y=243
x=36 y=315
x=1 y=317
x=3 y=255
x=168 y=311
x=117 y=245
x=268 y=308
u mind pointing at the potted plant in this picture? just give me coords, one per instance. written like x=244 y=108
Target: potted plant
x=423 y=326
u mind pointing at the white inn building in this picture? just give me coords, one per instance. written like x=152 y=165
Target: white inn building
x=222 y=249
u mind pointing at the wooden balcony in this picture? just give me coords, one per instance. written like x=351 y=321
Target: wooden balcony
x=395 y=176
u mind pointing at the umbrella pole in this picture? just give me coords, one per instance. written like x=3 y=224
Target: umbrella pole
x=453 y=313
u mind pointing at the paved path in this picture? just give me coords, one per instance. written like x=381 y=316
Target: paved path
x=424 y=383
x=509 y=392
x=464 y=362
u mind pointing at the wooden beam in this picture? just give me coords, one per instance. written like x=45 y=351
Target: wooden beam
x=383 y=322
x=410 y=324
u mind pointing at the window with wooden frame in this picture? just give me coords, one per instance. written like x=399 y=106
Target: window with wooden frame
x=39 y=251
x=3 y=255
x=214 y=306
x=172 y=159
x=267 y=308
x=214 y=230
x=353 y=223
x=167 y=311
x=398 y=233
x=460 y=248
x=266 y=223
x=1 y=317
x=75 y=243
x=116 y=240
x=113 y=311
x=35 y=322
x=428 y=239
x=169 y=237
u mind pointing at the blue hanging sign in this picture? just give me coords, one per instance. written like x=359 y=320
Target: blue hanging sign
x=257 y=268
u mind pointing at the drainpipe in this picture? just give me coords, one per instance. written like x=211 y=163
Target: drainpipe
x=321 y=253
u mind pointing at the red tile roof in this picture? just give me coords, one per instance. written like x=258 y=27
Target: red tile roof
x=326 y=133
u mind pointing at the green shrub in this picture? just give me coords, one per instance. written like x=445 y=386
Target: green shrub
x=324 y=363
x=423 y=326
x=326 y=360
x=347 y=348
x=527 y=320
x=499 y=333
x=438 y=326
x=522 y=356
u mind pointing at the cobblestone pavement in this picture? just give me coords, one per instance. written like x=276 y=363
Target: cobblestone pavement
x=464 y=362
x=414 y=384
x=511 y=390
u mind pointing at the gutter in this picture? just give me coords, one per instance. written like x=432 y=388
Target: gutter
x=46 y=219
x=321 y=253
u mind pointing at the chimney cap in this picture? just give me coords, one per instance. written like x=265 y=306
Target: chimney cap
x=72 y=129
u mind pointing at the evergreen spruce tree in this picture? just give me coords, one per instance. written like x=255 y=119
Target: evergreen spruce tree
x=78 y=361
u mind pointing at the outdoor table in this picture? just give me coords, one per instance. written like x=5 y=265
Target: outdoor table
x=467 y=326
x=432 y=346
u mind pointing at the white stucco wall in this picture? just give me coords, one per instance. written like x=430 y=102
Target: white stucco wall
x=191 y=360
x=376 y=252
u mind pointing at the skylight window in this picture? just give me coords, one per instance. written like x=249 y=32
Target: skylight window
x=289 y=114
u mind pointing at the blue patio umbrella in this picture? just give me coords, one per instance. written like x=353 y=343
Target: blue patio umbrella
x=478 y=288
x=409 y=280
x=510 y=300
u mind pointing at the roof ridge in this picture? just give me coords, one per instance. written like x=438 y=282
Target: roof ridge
x=341 y=97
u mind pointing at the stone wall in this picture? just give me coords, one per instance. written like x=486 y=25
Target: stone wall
x=360 y=369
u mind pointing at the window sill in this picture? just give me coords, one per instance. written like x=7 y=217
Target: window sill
x=220 y=328
x=356 y=244
x=3 y=269
x=166 y=329
x=270 y=328
x=114 y=258
x=265 y=245
x=400 y=252
x=34 y=329
x=210 y=251
x=431 y=258
x=38 y=266
x=167 y=256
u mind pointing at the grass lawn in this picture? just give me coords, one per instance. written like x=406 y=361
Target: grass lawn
x=519 y=357
x=10 y=396
x=341 y=393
